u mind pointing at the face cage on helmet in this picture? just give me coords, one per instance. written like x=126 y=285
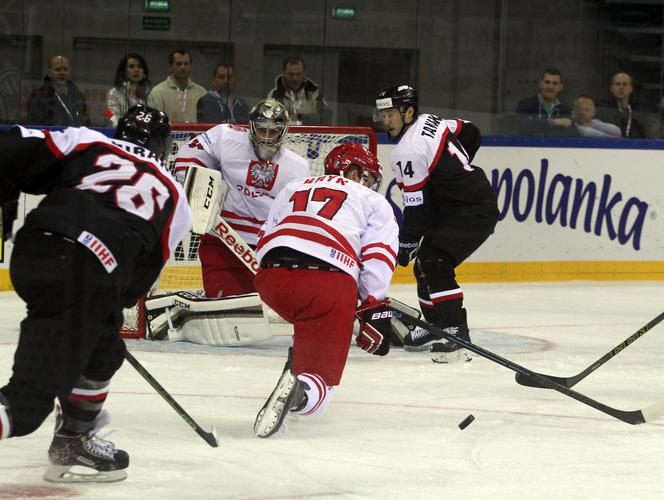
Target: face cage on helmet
x=266 y=149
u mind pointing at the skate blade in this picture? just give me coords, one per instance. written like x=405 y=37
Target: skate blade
x=417 y=348
x=271 y=418
x=446 y=358
x=82 y=474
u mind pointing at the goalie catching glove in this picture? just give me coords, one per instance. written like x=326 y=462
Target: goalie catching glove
x=375 y=329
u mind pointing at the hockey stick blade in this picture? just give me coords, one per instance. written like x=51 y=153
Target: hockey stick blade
x=209 y=437
x=633 y=417
x=572 y=381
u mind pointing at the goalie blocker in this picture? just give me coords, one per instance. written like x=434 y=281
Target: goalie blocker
x=229 y=321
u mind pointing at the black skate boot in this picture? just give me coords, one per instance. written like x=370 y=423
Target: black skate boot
x=77 y=457
x=289 y=394
x=418 y=339
x=445 y=351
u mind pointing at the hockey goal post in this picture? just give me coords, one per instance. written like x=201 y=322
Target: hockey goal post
x=183 y=270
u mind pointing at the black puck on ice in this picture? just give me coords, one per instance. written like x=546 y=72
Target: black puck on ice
x=466 y=422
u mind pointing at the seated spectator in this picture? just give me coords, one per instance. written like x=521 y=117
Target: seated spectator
x=221 y=105
x=543 y=113
x=620 y=111
x=58 y=101
x=587 y=124
x=130 y=87
x=178 y=95
x=301 y=97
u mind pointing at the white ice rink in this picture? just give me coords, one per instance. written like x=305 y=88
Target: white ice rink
x=391 y=431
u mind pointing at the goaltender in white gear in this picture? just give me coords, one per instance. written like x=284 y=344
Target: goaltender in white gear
x=229 y=321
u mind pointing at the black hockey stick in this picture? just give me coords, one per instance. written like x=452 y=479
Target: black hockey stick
x=209 y=437
x=643 y=415
x=572 y=381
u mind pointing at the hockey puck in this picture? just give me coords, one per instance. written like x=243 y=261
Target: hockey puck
x=466 y=422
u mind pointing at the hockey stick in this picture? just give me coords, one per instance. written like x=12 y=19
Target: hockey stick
x=633 y=417
x=209 y=437
x=572 y=381
x=235 y=243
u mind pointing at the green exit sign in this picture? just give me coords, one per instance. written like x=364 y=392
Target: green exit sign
x=156 y=23
x=343 y=12
x=158 y=5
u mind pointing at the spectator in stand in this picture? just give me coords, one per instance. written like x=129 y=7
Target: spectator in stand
x=302 y=97
x=178 y=94
x=543 y=113
x=130 y=87
x=58 y=101
x=587 y=124
x=618 y=110
x=10 y=80
x=221 y=105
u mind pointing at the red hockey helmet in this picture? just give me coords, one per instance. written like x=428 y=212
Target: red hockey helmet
x=344 y=156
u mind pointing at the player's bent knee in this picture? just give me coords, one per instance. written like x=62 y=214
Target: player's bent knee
x=22 y=413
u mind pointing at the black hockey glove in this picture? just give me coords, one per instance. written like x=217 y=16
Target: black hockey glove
x=407 y=249
x=374 y=316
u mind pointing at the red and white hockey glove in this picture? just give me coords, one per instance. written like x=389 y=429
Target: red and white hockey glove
x=374 y=316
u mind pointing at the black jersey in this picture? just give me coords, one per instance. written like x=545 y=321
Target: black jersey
x=112 y=196
x=433 y=172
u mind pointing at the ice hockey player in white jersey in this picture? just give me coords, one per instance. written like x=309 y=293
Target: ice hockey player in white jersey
x=327 y=242
x=255 y=167
x=450 y=209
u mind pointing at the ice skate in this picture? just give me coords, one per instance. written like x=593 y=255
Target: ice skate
x=78 y=458
x=289 y=394
x=418 y=339
x=446 y=351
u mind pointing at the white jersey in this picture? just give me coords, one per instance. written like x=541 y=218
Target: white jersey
x=338 y=221
x=252 y=185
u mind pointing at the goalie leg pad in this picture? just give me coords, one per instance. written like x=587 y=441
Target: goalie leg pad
x=226 y=330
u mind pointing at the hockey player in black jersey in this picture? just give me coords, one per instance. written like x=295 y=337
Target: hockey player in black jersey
x=450 y=209
x=95 y=244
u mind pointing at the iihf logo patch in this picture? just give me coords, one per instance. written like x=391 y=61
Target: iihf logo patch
x=262 y=175
x=333 y=252
x=101 y=251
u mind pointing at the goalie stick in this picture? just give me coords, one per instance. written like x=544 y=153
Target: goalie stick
x=633 y=417
x=235 y=243
x=209 y=437
x=572 y=381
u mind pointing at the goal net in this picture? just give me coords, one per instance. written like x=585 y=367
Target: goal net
x=183 y=270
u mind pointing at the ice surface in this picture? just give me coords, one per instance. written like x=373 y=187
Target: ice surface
x=391 y=431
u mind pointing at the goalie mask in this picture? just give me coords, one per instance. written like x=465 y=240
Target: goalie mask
x=147 y=127
x=268 y=123
x=340 y=160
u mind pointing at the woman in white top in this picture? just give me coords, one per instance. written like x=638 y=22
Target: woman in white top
x=131 y=87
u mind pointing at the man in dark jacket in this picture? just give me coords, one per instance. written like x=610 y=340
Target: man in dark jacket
x=543 y=113
x=302 y=97
x=58 y=101
x=221 y=105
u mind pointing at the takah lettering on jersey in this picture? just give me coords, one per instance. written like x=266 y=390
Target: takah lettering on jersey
x=431 y=125
x=345 y=259
x=101 y=251
x=262 y=175
x=564 y=200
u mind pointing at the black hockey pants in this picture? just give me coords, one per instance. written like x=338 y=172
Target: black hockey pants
x=71 y=328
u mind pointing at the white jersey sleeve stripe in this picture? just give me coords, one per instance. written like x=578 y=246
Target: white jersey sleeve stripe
x=379 y=256
x=382 y=246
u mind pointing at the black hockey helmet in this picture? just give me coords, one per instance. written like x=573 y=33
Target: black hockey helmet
x=272 y=118
x=147 y=127
x=399 y=97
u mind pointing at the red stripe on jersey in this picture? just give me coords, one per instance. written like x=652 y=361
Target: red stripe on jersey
x=445 y=298
x=243 y=228
x=441 y=147
x=233 y=215
x=459 y=124
x=379 y=256
x=383 y=246
x=305 y=235
x=1 y=430
x=189 y=160
x=52 y=147
x=310 y=221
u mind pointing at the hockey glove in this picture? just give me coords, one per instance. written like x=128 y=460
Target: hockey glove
x=374 y=316
x=407 y=249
